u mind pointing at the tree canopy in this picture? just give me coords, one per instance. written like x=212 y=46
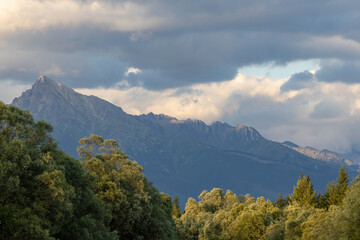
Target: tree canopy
x=46 y=194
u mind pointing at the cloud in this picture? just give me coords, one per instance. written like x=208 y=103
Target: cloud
x=174 y=43
x=189 y=54
x=298 y=81
x=132 y=71
x=323 y=116
x=38 y=15
x=9 y=89
x=329 y=108
x=339 y=71
x=205 y=101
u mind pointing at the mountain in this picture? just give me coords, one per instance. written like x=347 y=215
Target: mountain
x=323 y=155
x=182 y=157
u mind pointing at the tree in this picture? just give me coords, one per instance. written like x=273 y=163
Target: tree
x=347 y=219
x=138 y=210
x=176 y=211
x=212 y=201
x=45 y=194
x=32 y=184
x=335 y=192
x=281 y=202
x=304 y=193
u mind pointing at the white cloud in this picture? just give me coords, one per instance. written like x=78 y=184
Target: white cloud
x=207 y=102
x=310 y=117
x=132 y=70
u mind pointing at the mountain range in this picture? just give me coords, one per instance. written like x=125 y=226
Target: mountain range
x=182 y=157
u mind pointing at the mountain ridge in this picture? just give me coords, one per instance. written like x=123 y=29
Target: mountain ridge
x=182 y=157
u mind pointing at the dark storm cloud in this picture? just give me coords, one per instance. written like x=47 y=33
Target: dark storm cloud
x=188 y=42
x=346 y=72
x=298 y=81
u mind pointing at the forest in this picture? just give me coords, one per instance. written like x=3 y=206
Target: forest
x=46 y=194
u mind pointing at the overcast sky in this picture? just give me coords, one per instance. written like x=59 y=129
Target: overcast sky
x=291 y=69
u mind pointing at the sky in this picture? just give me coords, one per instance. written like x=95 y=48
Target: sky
x=291 y=69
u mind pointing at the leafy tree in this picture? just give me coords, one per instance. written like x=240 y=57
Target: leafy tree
x=248 y=225
x=31 y=183
x=319 y=225
x=275 y=231
x=138 y=210
x=347 y=218
x=45 y=194
x=230 y=200
x=90 y=216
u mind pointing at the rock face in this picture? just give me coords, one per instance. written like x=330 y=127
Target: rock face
x=323 y=155
x=182 y=157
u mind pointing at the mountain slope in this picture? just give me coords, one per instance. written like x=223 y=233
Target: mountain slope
x=181 y=157
x=323 y=155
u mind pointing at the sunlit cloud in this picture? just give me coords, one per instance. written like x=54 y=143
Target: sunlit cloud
x=302 y=116
x=132 y=71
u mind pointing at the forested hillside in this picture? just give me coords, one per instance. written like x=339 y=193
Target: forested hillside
x=46 y=194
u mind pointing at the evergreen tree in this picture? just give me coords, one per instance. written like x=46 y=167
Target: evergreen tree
x=331 y=194
x=304 y=193
x=342 y=181
x=335 y=192
x=281 y=203
x=176 y=211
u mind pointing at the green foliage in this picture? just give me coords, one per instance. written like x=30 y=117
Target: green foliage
x=304 y=193
x=137 y=208
x=347 y=218
x=40 y=199
x=46 y=194
x=335 y=192
x=281 y=202
x=176 y=211
x=225 y=216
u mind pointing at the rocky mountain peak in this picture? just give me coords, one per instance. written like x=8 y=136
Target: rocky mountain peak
x=45 y=83
x=248 y=133
x=43 y=78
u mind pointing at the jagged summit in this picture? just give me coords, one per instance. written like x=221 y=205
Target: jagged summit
x=45 y=92
x=44 y=82
x=43 y=78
